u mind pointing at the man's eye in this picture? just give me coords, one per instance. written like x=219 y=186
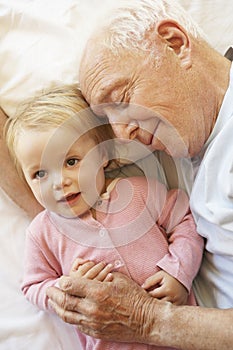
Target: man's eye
x=117 y=100
x=72 y=162
x=121 y=104
x=40 y=174
x=118 y=103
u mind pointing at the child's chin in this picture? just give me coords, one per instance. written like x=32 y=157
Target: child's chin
x=69 y=214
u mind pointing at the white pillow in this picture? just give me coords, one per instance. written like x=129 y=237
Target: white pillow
x=40 y=45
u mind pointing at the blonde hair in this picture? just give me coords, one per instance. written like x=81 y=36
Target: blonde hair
x=126 y=22
x=63 y=105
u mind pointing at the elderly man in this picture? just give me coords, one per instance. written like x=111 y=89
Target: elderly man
x=158 y=81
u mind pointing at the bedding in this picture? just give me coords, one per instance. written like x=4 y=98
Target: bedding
x=40 y=45
x=23 y=326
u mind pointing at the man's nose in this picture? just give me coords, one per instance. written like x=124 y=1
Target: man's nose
x=125 y=131
x=123 y=125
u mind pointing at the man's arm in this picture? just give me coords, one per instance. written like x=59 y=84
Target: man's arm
x=122 y=311
x=197 y=328
x=10 y=181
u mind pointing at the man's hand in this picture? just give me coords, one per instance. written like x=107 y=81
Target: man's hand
x=119 y=310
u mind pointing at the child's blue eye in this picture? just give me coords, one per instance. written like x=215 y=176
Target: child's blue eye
x=72 y=162
x=40 y=174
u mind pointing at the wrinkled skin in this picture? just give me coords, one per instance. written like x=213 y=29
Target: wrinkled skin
x=152 y=97
x=113 y=307
x=122 y=311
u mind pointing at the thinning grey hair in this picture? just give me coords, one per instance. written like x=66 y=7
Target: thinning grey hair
x=127 y=21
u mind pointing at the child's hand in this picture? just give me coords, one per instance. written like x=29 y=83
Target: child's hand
x=163 y=286
x=90 y=270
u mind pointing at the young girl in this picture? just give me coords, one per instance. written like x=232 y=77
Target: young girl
x=93 y=226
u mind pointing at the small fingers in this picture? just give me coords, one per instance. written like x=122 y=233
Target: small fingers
x=157 y=293
x=90 y=270
x=82 y=266
x=99 y=272
x=109 y=278
x=152 y=281
x=77 y=263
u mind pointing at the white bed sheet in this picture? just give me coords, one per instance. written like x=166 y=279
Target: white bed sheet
x=22 y=325
x=38 y=50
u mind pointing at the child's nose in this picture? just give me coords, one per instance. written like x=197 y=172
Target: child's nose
x=61 y=181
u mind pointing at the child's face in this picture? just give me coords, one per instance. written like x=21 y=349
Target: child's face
x=65 y=174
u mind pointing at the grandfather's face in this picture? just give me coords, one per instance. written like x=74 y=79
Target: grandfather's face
x=145 y=97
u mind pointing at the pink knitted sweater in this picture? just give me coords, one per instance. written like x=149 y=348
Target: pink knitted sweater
x=140 y=227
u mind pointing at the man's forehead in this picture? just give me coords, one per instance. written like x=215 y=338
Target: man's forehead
x=97 y=72
x=91 y=58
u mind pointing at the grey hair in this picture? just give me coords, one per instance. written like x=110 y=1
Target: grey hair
x=127 y=21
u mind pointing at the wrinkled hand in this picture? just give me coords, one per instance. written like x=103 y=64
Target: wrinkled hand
x=165 y=287
x=119 y=310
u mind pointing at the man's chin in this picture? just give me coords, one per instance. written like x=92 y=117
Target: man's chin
x=174 y=151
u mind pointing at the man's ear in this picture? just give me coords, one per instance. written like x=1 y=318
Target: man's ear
x=105 y=158
x=106 y=162
x=176 y=38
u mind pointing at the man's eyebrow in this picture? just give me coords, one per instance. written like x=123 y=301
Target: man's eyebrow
x=102 y=95
x=98 y=109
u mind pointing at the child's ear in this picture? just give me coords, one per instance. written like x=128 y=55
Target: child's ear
x=176 y=39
